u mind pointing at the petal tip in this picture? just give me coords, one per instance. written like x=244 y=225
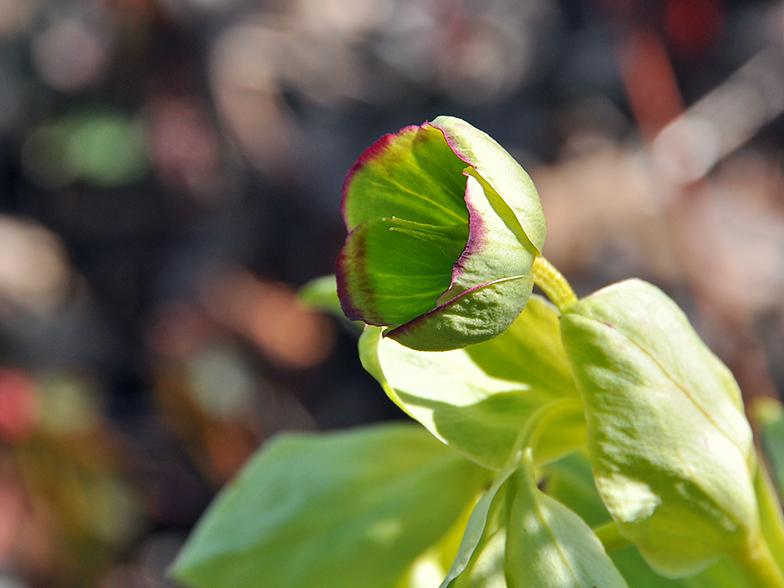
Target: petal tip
x=368 y=155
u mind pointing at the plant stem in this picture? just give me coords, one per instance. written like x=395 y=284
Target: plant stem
x=610 y=536
x=771 y=519
x=759 y=567
x=553 y=284
x=543 y=417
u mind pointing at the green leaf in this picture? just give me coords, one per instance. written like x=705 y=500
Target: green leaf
x=520 y=537
x=429 y=569
x=671 y=449
x=331 y=510
x=549 y=545
x=321 y=294
x=100 y=147
x=723 y=574
x=570 y=481
x=480 y=561
x=530 y=351
x=476 y=399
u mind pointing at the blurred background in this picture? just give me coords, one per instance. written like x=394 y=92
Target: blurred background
x=170 y=175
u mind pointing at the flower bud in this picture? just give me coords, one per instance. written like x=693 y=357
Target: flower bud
x=444 y=226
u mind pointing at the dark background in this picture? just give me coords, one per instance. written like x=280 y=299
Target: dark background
x=170 y=175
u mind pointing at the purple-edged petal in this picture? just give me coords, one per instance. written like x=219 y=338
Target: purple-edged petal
x=491 y=281
x=501 y=171
x=497 y=247
x=388 y=277
x=474 y=316
x=412 y=174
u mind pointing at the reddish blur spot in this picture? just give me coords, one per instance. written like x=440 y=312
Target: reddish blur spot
x=18 y=406
x=186 y=148
x=269 y=315
x=693 y=27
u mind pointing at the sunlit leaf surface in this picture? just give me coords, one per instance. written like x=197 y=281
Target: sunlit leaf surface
x=331 y=510
x=476 y=399
x=570 y=481
x=671 y=448
x=518 y=537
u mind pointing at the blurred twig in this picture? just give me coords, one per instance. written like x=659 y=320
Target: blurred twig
x=679 y=170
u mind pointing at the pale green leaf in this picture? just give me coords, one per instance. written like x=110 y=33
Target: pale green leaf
x=331 y=510
x=480 y=561
x=769 y=416
x=671 y=449
x=521 y=538
x=570 y=481
x=476 y=399
x=549 y=546
x=722 y=574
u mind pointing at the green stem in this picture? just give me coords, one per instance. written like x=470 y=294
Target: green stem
x=610 y=536
x=771 y=518
x=542 y=418
x=553 y=284
x=759 y=566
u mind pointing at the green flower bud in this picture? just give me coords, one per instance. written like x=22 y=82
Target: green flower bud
x=671 y=448
x=444 y=227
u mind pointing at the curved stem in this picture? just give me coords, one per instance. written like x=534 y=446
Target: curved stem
x=540 y=419
x=759 y=566
x=552 y=283
x=771 y=517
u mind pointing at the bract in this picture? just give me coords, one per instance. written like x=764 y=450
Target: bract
x=671 y=449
